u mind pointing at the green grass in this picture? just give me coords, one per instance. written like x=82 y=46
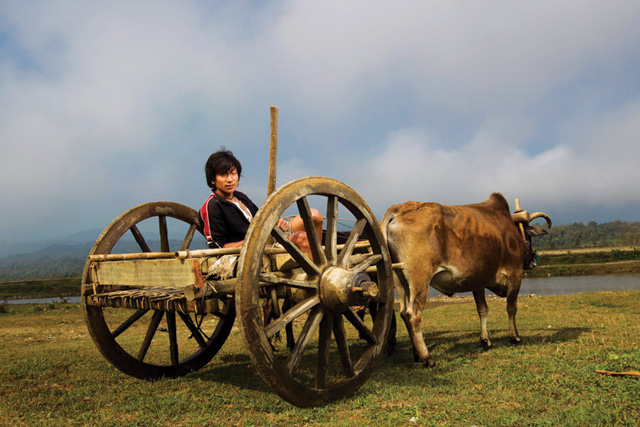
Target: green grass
x=587 y=263
x=51 y=374
x=590 y=257
x=40 y=288
x=630 y=267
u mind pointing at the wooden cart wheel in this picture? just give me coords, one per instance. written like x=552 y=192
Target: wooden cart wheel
x=335 y=351
x=150 y=344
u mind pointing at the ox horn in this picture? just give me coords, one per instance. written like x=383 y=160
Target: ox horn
x=541 y=215
x=521 y=216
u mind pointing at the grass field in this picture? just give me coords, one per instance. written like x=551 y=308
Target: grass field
x=40 y=289
x=51 y=374
x=587 y=261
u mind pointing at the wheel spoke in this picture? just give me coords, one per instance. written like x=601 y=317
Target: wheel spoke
x=312 y=234
x=324 y=341
x=219 y=315
x=362 y=329
x=140 y=239
x=164 y=234
x=291 y=314
x=343 y=346
x=331 y=239
x=310 y=327
x=195 y=333
x=189 y=237
x=130 y=321
x=173 y=340
x=272 y=279
x=373 y=259
x=151 y=331
x=349 y=246
x=302 y=259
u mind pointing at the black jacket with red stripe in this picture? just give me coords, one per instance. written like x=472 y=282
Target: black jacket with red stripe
x=222 y=221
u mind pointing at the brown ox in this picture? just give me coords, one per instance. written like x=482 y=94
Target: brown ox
x=459 y=249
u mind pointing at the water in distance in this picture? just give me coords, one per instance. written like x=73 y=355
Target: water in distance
x=577 y=284
x=570 y=285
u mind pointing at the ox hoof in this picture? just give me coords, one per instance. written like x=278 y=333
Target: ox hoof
x=428 y=362
x=485 y=344
x=515 y=340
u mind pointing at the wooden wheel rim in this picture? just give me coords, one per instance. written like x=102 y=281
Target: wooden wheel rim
x=275 y=373
x=100 y=331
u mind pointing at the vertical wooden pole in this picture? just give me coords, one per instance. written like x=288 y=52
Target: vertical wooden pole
x=273 y=152
x=520 y=224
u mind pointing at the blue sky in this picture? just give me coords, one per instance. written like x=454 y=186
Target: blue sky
x=104 y=106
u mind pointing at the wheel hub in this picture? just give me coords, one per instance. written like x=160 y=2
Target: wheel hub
x=341 y=288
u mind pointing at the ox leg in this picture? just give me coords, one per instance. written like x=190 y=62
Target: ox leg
x=411 y=305
x=412 y=319
x=512 y=308
x=483 y=312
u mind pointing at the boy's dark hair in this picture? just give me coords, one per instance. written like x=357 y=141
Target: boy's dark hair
x=219 y=163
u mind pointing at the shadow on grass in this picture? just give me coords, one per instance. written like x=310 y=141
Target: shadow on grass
x=450 y=349
x=467 y=344
x=234 y=369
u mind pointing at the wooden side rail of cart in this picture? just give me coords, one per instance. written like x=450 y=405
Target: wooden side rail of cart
x=130 y=280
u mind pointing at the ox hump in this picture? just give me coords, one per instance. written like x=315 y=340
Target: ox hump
x=497 y=202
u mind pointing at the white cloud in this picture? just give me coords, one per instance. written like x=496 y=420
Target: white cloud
x=468 y=56
x=440 y=100
x=596 y=166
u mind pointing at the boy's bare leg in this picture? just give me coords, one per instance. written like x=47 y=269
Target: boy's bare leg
x=297 y=224
x=299 y=236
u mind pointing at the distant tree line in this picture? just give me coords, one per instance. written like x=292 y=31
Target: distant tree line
x=54 y=262
x=580 y=235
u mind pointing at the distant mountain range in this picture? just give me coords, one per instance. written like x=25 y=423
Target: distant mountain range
x=82 y=238
x=64 y=258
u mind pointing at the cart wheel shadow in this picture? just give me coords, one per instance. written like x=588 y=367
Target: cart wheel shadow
x=233 y=369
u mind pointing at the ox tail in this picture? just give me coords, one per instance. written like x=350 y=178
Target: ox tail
x=389 y=216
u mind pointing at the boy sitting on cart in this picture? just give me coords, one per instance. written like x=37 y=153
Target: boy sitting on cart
x=226 y=214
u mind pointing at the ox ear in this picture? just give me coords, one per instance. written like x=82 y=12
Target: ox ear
x=533 y=231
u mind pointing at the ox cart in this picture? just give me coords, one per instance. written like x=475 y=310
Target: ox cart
x=164 y=313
